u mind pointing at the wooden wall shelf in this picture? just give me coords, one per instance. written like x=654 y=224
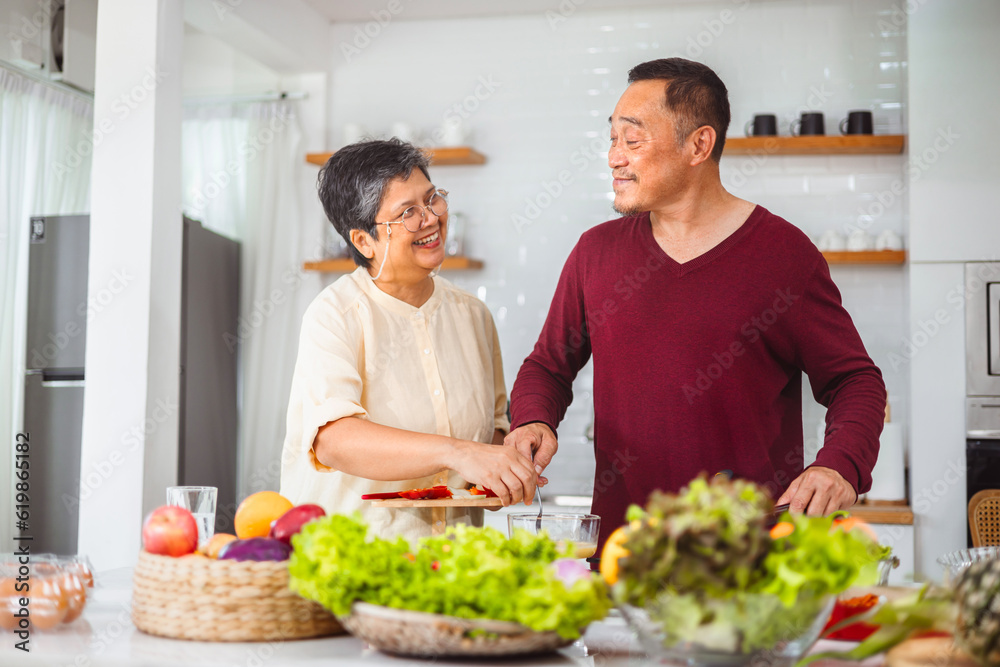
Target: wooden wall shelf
x=346 y=265
x=442 y=157
x=866 y=257
x=855 y=144
x=901 y=515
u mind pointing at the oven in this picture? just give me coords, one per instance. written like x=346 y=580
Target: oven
x=982 y=377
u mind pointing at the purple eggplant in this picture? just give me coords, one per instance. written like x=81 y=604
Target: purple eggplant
x=256 y=549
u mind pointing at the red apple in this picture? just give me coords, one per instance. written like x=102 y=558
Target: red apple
x=170 y=531
x=292 y=521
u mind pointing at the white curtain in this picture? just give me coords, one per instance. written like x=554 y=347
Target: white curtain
x=45 y=148
x=242 y=168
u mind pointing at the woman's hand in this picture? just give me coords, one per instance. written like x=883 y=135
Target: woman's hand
x=500 y=469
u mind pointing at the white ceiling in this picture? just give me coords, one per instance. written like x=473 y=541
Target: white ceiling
x=361 y=10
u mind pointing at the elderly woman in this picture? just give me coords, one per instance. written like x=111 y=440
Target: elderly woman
x=398 y=382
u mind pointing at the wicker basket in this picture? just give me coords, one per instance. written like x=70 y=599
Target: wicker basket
x=223 y=601
x=425 y=635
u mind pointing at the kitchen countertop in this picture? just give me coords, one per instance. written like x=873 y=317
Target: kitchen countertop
x=104 y=635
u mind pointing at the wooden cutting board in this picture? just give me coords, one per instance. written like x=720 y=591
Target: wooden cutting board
x=928 y=652
x=471 y=501
x=439 y=506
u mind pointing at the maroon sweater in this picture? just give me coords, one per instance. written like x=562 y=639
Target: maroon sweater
x=697 y=366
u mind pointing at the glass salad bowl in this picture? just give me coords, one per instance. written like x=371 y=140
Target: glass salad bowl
x=751 y=629
x=955 y=562
x=579 y=529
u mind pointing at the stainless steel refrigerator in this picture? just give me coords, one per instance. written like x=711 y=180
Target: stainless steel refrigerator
x=55 y=378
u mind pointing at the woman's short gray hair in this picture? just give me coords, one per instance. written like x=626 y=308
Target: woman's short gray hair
x=354 y=181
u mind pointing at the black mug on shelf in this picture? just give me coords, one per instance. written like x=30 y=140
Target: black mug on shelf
x=762 y=125
x=857 y=122
x=809 y=124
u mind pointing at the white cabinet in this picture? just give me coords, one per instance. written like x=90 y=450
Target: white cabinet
x=935 y=351
x=954 y=136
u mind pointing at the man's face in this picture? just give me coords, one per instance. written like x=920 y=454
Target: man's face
x=647 y=164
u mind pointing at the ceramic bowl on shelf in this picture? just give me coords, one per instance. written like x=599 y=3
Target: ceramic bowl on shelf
x=755 y=629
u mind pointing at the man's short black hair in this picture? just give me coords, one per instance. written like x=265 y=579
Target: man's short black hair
x=354 y=180
x=695 y=95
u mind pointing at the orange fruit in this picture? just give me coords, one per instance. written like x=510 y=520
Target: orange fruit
x=612 y=551
x=257 y=511
x=214 y=545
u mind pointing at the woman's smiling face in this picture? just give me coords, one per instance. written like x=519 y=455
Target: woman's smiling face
x=411 y=255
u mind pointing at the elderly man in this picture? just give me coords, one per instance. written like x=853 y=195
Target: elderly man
x=701 y=311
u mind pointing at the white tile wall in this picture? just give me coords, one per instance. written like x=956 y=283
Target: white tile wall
x=537 y=94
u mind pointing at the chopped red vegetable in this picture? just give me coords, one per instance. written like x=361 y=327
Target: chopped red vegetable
x=476 y=491
x=432 y=493
x=413 y=494
x=846 y=609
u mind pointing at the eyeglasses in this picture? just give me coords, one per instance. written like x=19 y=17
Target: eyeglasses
x=415 y=216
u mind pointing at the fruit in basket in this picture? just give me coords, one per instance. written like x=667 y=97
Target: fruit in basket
x=216 y=543
x=977 y=593
x=255 y=514
x=170 y=531
x=291 y=522
x=256 y=549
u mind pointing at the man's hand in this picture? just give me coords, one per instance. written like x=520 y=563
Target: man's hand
x=504 y=471
x=534 y=441
x=818 y=491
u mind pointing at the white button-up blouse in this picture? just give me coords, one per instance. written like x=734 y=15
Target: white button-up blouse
x=363 y=353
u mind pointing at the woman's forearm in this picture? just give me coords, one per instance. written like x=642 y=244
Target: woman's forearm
x=359 y=447
x=363 y=449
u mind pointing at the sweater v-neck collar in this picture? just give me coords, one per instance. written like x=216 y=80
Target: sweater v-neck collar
x=710 y=255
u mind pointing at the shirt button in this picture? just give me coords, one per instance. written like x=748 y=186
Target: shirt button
x=427 y=351
x=418 y=316
x=437 y=392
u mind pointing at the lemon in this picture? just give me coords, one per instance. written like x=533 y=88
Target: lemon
x=612 y=551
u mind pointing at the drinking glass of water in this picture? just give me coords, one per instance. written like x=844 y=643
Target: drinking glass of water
x=200 y=501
